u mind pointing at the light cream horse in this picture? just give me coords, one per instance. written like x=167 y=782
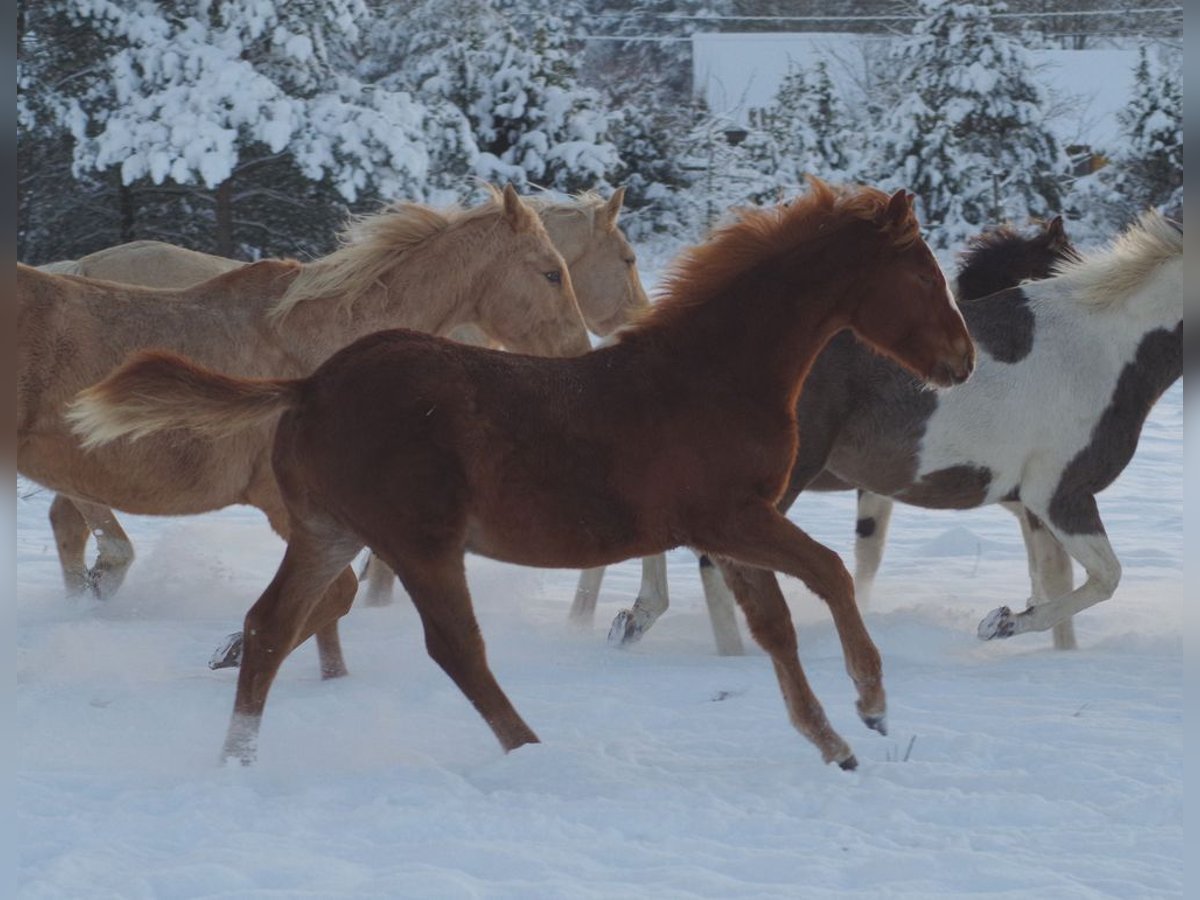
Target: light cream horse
x=409 y=266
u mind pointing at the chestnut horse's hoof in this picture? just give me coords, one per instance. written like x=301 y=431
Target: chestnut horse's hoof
x=876 y=723
x=999 y=623
x=229 y=654
x=849 y=764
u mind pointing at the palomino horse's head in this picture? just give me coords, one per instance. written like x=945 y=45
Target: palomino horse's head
x=905 y=309
x=603 y=264
x=530 y=306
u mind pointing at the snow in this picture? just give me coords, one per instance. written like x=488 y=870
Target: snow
x=665 y=771
x=739 y=72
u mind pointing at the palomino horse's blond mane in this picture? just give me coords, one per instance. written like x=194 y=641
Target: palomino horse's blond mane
x=1111 y=276
x=374 y=244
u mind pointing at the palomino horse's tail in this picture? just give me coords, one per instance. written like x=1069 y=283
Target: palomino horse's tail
x=154 y=391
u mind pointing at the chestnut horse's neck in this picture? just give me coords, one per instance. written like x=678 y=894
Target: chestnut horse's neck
x=762 y=331
x=431 y=288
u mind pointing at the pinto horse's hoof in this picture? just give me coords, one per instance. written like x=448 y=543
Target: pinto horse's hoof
x=229 y=654
x=999 y=623
x=625 y=629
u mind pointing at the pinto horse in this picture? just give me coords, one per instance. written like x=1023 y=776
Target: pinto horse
x=424 y=450
x=999 y=258
x=1107 y=328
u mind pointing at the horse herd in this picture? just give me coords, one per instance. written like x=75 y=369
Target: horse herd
x=794 y=349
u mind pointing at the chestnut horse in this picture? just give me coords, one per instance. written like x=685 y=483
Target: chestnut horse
x=583 y=229
x=999 y=258
x=430 y=269
x=424 y=449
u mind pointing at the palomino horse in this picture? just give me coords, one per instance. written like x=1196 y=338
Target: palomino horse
x=1107 y=329
x=999 y=258
x=583 y=229
x=424 y=449
x=430 y=269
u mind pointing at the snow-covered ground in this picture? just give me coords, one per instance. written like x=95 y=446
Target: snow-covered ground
x=664 y=771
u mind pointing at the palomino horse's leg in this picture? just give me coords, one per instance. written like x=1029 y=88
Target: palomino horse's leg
x=652 y=601
x=763 y=538
x=770 y=622
x=71 y=536
x=583 y=610
x=380 y=582
x=439 y=592
x=874 y=515
x=721 y=613
x=1050 y=571
x=278 y=623
x=1092 y=550
x=73 y=521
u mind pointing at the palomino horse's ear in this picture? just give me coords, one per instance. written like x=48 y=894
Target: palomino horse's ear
x=612 y=209
x=519 y=216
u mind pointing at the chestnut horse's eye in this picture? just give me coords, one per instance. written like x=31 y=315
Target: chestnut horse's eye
x=554 y=277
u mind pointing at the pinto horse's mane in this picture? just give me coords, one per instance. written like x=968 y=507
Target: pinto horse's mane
x=371 y=245
x=1111 y=276
x=705 y=271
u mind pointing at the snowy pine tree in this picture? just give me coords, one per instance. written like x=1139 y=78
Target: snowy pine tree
x=965 y=132
x=810 y=128
x=1153 y=122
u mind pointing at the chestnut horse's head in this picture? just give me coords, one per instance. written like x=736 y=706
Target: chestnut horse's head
x=530 y=304
x=603 y=264
x=905 y=309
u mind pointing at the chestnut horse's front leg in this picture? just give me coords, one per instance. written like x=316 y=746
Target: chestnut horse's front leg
x=762 y=538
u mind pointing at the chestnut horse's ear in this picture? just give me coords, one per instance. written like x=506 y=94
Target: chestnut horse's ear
x=899 y=208
x=612 y=209
x=518 y=215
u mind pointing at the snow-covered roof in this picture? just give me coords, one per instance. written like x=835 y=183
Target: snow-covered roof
x=739 y=72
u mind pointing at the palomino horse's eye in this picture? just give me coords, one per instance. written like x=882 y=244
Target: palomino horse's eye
x=554 y=277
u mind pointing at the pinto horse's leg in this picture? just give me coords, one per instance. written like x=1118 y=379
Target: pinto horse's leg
x=1050 y=570
x=71 y=536
x=452 y=637
x=380 y=582
x=1092 y=550
x=280 y=621
x=721 y=613
x=874 y=516
x=583 y=610
x=652 y=601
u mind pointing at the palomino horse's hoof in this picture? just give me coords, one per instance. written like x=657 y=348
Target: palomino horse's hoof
x=999 y=623
x=229 y=654
x=625 y=629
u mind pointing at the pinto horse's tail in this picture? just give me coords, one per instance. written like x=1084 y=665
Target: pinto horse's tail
x=154 y=391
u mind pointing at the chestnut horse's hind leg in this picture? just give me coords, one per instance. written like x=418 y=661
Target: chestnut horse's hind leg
x=283 y=618
x=764 y=538
x=439 y=592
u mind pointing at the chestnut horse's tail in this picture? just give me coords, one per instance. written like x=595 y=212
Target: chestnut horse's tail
x=154 y=391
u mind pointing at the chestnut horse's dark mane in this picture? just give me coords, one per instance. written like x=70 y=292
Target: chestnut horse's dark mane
x=704 y=271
